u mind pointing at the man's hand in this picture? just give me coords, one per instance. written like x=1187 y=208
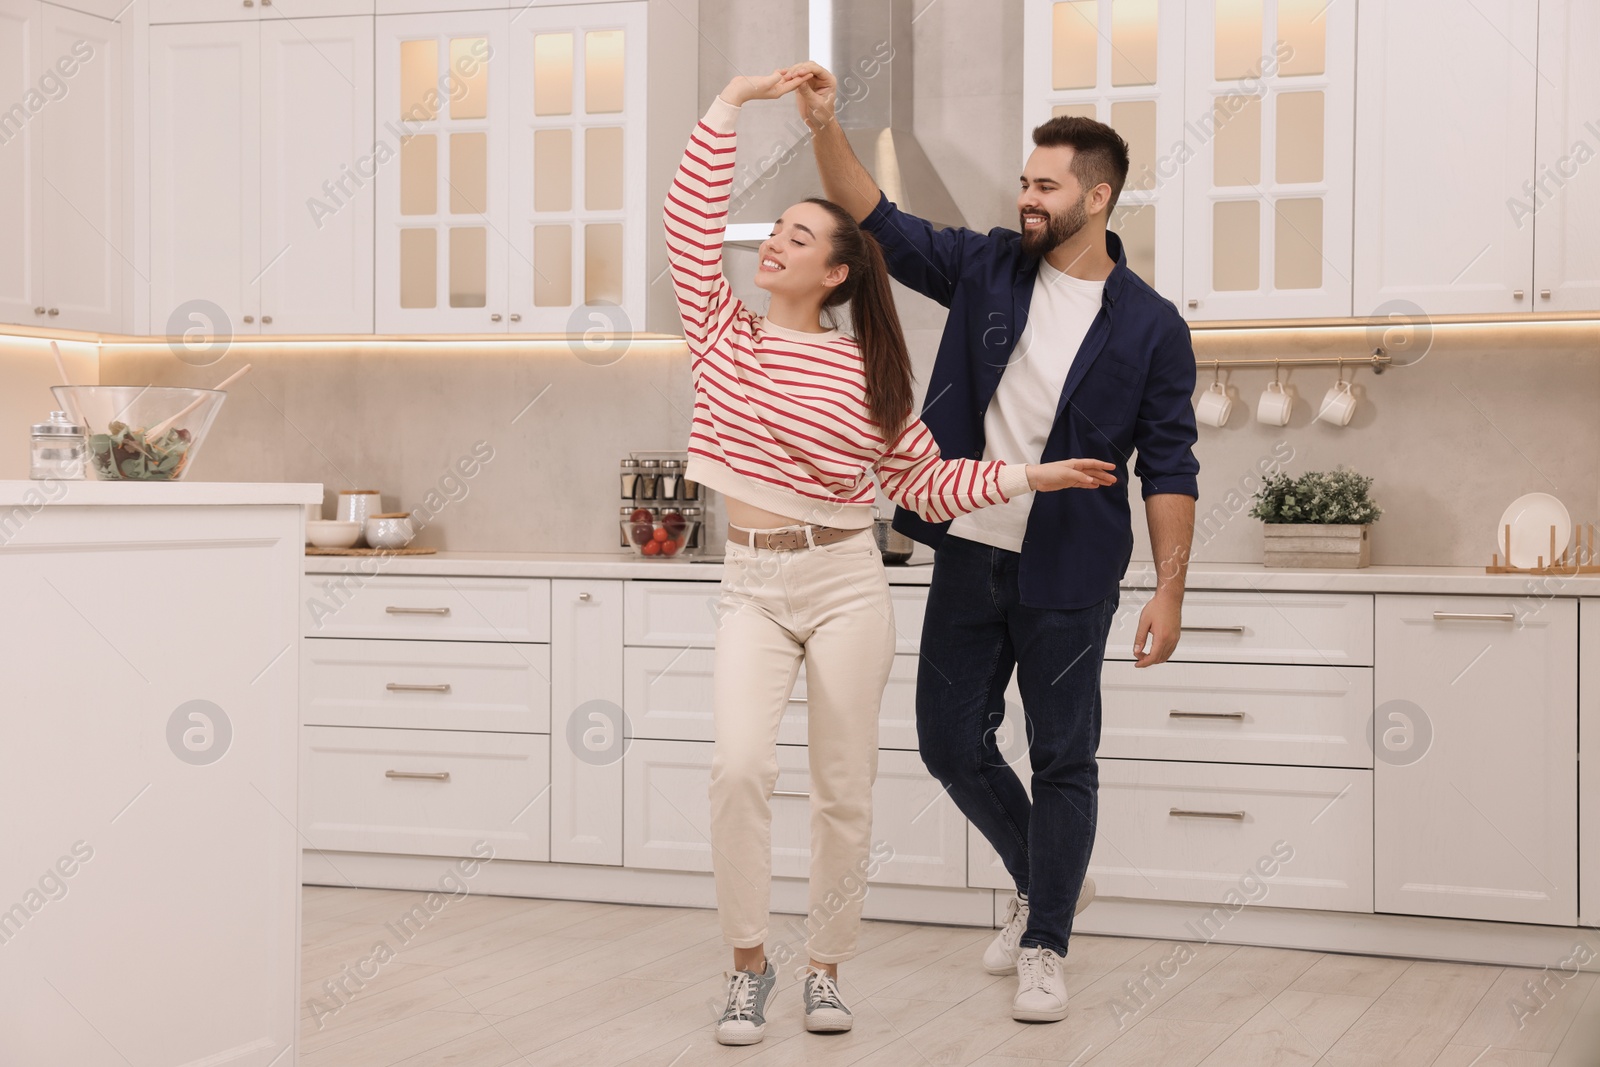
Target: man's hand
x=746 y=87
x=1071 y=474
x=1160 y=619
x=816 y=95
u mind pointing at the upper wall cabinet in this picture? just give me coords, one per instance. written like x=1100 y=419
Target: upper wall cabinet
x=512 y=207
x=1267 y=181
x=262 y=165
x=1564 y=191
x=1445 y=147
x=163 y=11
x=1121 y=63
x=63 y=263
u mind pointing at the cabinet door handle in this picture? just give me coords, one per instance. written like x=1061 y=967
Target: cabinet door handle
x=585 y=596
x=1234 y=716
x=407 y=687
x=789 y=793
x=38 y=311
x=266 y=319
x=798 y=700
x=1212 y=629
x=249 y=3
x=392 y=610
x=249 y=318
x=431 y=776
x=53 y=312
x=515 y=317
x=495 y=317
x=1194 y=303
x=1503 y=616
x=1544 y=294
x=1185 y=813
x=1516 y=294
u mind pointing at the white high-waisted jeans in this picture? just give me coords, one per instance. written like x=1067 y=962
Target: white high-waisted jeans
x=829 y=607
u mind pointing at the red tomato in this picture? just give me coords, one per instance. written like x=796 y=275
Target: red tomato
x=661 y=534
x=651 y=548
x=669 y=548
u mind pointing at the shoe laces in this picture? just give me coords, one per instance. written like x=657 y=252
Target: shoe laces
x=741 y=996
x=824 y=990
x=1035 y=967
x=1016 y=921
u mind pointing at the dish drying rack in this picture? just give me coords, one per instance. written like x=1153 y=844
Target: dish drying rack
x=1581 y=558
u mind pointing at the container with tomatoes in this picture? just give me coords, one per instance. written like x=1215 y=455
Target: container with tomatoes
x=657 y=538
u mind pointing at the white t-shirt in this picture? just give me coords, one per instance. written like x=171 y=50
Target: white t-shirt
x=1023 y=410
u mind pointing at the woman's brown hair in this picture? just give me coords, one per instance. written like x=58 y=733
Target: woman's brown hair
x=876 y=323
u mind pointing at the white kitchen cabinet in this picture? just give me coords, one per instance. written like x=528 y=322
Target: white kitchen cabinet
x=251 y=10
x=1220 y=626
x=1444 y=144
x=588 y=739
x=1121 y=64
x=1267 y=189
x=1475 y=806
x=245 y=236
x=61 y=171
x=205 y=177
x=318 y=166
x=1564 y=190
x=426 y=608
x=1589 y=769
x=669 y=815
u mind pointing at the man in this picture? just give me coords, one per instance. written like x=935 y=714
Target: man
x=1053 y=349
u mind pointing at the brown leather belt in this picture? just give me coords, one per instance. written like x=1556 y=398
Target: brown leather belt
x=791 y=539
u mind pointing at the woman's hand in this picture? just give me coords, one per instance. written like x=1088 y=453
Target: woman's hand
x=817 y=94
x=747 y=87
x=1071 y=474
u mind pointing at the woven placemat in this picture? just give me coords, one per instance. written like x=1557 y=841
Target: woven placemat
x=313 y=550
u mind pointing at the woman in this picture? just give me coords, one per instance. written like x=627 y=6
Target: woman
x=792 y=418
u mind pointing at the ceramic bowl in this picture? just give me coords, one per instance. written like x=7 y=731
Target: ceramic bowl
x=390 y=530
x=331 y=533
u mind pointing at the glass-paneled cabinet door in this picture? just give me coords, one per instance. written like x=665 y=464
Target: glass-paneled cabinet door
x=1269 y=182
x=578 y=215
x=441 y=153
x=1120 y=62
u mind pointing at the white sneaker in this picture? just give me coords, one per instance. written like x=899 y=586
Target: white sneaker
x=825 y=1010
x=1041 y=987
x=1001 y=955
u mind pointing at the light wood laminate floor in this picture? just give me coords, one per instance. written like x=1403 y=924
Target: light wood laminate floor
x=487 y=981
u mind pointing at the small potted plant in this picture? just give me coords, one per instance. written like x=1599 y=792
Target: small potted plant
x=1320 y=519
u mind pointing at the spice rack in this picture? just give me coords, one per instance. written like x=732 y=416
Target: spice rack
x=1580 y=559
x=655 y=481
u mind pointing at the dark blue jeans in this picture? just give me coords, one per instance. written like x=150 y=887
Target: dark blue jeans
x=975 y=632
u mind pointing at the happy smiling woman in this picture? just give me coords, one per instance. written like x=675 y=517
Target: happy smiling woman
x=793 y=418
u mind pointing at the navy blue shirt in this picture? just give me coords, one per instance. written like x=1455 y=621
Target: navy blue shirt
x=1128 y=393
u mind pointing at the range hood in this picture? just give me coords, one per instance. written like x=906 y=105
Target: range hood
x=867 y=46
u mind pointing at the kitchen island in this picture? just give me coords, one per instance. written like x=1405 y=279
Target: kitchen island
x=149 y=881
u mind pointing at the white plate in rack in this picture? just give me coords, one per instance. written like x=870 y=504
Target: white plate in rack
x=1530 y=518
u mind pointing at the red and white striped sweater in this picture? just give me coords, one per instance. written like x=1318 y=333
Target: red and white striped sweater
x=780 y=416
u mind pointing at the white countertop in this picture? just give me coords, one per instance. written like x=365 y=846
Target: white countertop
x=90 y=493
x=1141 y=575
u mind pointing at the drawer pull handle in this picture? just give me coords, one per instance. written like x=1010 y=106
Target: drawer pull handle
x=798 y=700
x=1234 y=716
x=432 y=776
x=407 y=687
x=392 y=610
x=1212 y=629
x=1504 y=616
x=1185 y=813
x=789 y=793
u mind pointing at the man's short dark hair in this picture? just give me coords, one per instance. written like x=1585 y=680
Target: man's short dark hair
x=1099 y=152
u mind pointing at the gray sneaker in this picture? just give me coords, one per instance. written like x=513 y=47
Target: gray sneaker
x=825 y=1010
x=744 y=1020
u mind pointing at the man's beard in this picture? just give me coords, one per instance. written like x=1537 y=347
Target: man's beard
x=1057 y=229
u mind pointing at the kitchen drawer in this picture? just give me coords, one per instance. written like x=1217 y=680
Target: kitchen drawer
x=1224 y=627
x=1196 y=831
x=667 y=815
x=1237 y=713
x=479 y=787
x=684 y=614
x=433 y=609
x=667 y=696
x=430 y=685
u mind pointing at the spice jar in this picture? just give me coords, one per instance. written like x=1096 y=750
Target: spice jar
x=649 y=479
x=57 y=448
x=670 y=477
x=687 y=490
x=624 y=515
x=630 y=479
x=693 y=517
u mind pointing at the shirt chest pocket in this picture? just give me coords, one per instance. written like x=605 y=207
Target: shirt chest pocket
x=1108 y=395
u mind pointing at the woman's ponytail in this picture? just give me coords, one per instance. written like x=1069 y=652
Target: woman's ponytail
x=886 y=360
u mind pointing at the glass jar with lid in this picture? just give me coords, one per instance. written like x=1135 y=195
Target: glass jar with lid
x=58 y=448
